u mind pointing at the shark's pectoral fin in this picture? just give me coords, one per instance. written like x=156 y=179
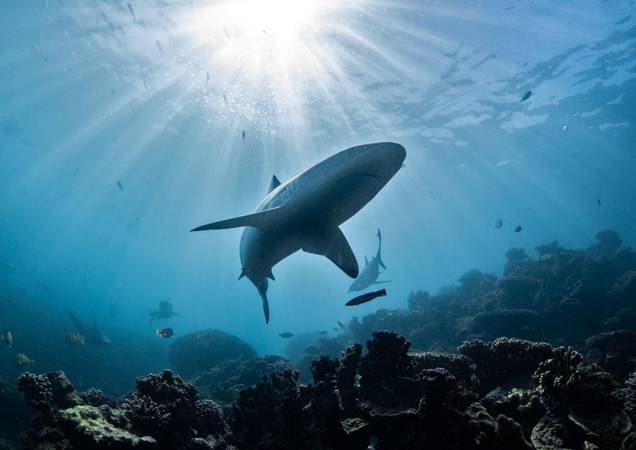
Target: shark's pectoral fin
x=261 y=220
x=333 y=244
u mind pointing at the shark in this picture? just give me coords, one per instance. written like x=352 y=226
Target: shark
x=93 y=335
x=165 y=311
x=369 y=274
x=306 y=211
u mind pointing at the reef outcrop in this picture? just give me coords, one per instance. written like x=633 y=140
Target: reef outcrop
x=197 y=352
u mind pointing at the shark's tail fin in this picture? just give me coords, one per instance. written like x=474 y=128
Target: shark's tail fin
x=378 y=256
x=78 y=326
x=262 y=290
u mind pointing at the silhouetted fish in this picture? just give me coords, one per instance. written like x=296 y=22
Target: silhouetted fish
x=341 y=323
x=599 y=202
x=120 y=186
x=132 y=12
x=225 y=99
x=518 y=229
x=22 y=360
x=243 y=134
x=323 y=332
x=526 y=96
x=286 y=335
x=498 y=224
x=366 y=298
x=13 y=130
x=159 y=46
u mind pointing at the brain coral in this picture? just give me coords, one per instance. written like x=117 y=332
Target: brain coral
x=203 y=350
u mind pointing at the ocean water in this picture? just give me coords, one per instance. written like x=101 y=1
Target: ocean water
x=120 y=134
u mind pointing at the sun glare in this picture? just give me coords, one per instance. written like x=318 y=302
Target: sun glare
x=259 y=34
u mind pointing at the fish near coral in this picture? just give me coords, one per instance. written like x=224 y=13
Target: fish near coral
x=286 y=335
x=74 y=339
x=366 y=298
x=165 y=332
x=7 y=339
x=22 y=360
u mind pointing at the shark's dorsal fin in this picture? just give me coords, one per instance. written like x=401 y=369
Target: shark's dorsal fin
x=261 y=220
x=333 y=244
x=274 y=184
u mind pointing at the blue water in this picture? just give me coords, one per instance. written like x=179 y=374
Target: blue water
x=100 y=103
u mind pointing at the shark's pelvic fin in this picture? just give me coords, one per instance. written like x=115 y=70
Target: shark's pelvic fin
x=261 y=220
x=274 y=184
x=333 y=244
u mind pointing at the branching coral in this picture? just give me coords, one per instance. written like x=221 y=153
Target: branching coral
x=145 y=415
x=37 y=390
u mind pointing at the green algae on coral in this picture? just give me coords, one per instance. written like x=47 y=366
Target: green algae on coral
x=85 y=425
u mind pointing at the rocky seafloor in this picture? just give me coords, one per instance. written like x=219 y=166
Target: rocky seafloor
x=544 y=358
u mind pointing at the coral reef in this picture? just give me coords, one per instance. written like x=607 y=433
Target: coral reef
x=504 y=359
x=197 y=352
x=145 y=415
x=37 y=390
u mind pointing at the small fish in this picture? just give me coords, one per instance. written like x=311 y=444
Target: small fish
x=336 y=329
x=22 y=360
x=243 y=135
x=132 y=12
x=13 y=130
x=323 y=332
x=225 y=99
x=366 y=298
x=518 y=229
x=286 y=335
x=159 y=46
x=120 y=186
x=105 y=17
x=7 y=339
x=207 y=77
x=341 y=323
x=74 y=339
x=526 y=96
x=598 y=201
x=36 y=52
x=165 y=332
x=498 y=224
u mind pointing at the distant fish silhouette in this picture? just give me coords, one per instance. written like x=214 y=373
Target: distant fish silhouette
x=366 y=298
x=159 y=46
x=526 y=96
x=599 y=202
x=286 y=335
x=132 y=12
x=498 y=224
x=120 y=186
x=91 y=335
x=518 y=229
x=165 y=311
x=369 y=274
x=225 y=99
x=243 y=134
x=13 y=130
